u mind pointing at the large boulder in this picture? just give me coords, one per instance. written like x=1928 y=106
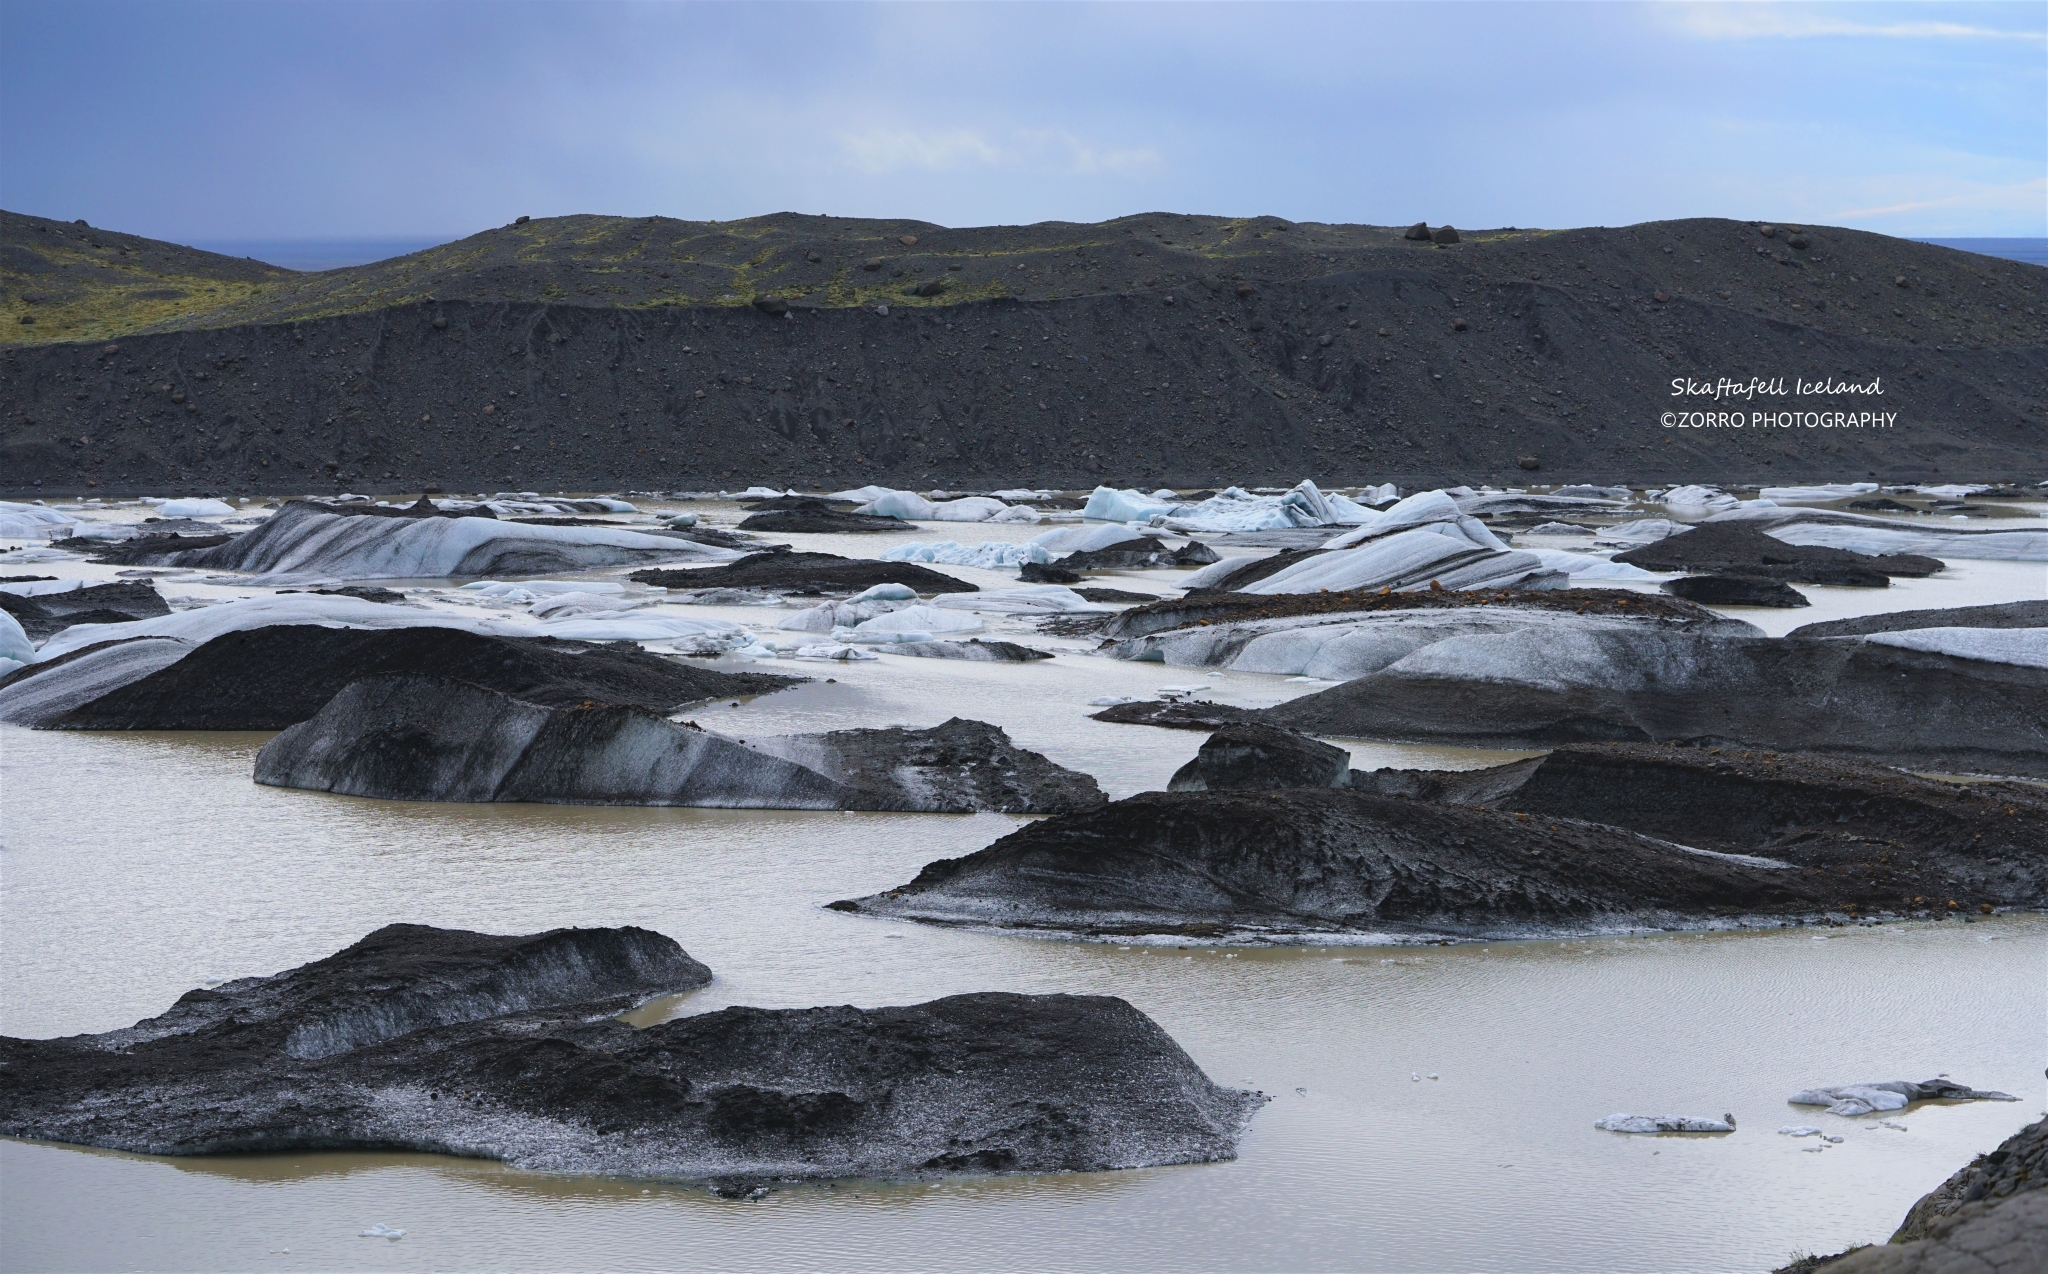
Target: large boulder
x=270 y=678
x=409 y=736
x=512 y=1049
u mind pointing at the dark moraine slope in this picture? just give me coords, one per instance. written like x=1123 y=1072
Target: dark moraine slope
x=510 y=1048
x=1158 y=349
x=270 y=678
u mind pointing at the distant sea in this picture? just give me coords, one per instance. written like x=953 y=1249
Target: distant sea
x=2031 y=251
x=318 y=254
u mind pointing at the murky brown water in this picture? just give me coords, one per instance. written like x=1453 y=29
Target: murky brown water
x=134 y=867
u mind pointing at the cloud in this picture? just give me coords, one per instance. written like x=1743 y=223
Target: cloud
x=1770 y=21
x=887 y=151
x=2017 y=196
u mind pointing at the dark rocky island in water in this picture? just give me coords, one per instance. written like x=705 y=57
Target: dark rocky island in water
x=1587 y=839
x=511 y=1048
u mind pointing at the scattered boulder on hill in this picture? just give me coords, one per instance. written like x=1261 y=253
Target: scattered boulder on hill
x=1735 y=590
x=44 y=614
x=1419 y=232
x=511 y=1048
x=270 y=678
x=1445 y=234
x=414 y=737
x=807 y=573
x=1740 y=548
x=1249 y=755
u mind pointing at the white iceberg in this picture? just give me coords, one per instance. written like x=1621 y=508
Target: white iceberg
x=55 y=691
x=195 y=508
x=208 y=622
x=1586 y=566
x=1438 y=554
x=1423 y=509
x=1816 y=494
x=1695 y=500
x=993 y=555
x=1083 y=539
x=828 y=616
x=525 y=591
x=1642 y=531
x=2023 y=647
x=885 y=593
x=589 y=605
x=645 y=625
x=911 y=507
x=31 y=521
x=833 y=651
x=1036 y=599
x=1018 y=514
x=912 y=623
x=303 y=541
x=1666 y=1123
x=14 y=643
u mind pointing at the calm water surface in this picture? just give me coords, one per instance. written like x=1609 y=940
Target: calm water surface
x=134 y=867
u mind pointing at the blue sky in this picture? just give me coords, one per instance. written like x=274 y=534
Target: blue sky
x=430 y=119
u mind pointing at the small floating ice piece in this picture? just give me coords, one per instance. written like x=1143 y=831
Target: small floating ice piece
x=1111 y=701
x=1850 y=1100
x=381 y=1232
x=1666 y=1123
x=195 y=508
x=1799 y=1130
x=833 y=650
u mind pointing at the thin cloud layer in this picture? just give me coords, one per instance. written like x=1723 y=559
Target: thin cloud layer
x=323 y=119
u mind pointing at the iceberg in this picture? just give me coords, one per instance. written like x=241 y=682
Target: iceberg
x=846 y=614
x=196 y=508
x=1666 y=1123
x=842 y=654
x=1041 y=599
x=861 y=495
x=993 y=555
x=649 y=626
x=2023 y=647
x=1642 y=531
x=590 y=605
x=14 y=642
x=1238 y=510
x=1586 y=566
x=532 y=590
x=1017 y=514
x=1083 y=539
x=56 y=690
x=912 y=507
x=1865 y=533
x=208 y=622
x=1816 y=494
x=1850 y=1100
x=1695 y=499
x=303 y=540
x=31 y=521
x=913 y=623
x=1423 y=509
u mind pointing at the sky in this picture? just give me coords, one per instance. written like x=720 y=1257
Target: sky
x=262 y=120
